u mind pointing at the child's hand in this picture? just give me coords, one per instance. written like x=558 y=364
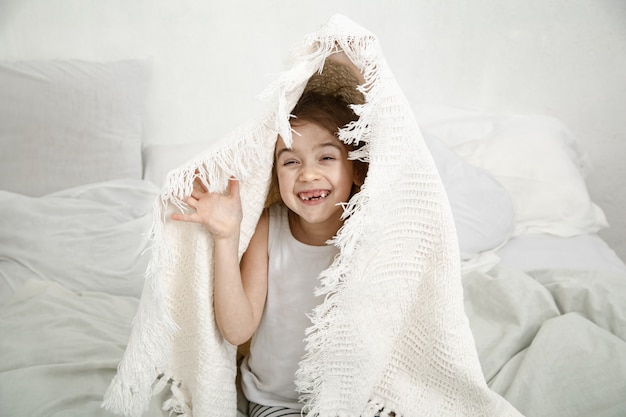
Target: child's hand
x=220 y=213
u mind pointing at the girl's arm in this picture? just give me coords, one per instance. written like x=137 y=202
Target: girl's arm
x=238 y=291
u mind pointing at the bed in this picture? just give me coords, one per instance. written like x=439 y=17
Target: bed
x=544 y=294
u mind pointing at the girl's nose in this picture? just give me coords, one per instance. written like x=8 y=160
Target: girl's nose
x=309 y=172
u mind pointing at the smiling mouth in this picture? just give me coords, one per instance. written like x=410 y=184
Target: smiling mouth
x=313 y=195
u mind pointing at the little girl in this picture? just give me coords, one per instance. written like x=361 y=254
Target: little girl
x=269 y=294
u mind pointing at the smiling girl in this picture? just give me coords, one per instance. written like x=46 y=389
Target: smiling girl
x=270 y=293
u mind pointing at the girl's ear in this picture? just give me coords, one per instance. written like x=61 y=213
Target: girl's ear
x=359 y=172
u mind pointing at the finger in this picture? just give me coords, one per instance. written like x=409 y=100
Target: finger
x=197 y=184
x=178 y=216
x=201 y=185
x=191 y=201
x=233 y=186
x=181 y=217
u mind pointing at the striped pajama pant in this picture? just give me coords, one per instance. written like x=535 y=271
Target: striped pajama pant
x=257 y=410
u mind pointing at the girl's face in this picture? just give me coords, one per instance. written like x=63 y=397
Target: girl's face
x=315 y=175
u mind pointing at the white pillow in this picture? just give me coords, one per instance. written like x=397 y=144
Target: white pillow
x=158 y=160
x=537 y=161
x=481 y=207
x=67 y=123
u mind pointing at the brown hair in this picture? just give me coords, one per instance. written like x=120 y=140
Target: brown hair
x=331 y=112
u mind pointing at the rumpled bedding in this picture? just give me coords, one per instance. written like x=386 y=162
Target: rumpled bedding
x=91 y=237
x=71 y=272
x=59 y=350
x=552 y=342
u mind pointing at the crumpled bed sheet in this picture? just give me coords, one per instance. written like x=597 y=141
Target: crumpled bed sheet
x=552 y=342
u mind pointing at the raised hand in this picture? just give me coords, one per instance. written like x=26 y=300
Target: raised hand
x=220 y=213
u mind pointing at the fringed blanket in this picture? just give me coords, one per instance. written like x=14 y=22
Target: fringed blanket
x=391 y=335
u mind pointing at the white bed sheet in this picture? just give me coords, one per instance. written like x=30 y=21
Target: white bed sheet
x=540 y=251
x=91 y=237
x=72 y=268
x=60 y=349
x=553 y=341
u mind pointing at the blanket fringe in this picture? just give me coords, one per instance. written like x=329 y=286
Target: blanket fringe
x=125 y=399
x=177 y=403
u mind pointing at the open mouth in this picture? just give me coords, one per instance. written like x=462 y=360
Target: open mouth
x=313 y=195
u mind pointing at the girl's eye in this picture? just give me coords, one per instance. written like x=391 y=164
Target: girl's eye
x=289 y=162
x=328 y=158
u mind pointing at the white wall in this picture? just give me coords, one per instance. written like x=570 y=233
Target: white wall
x=565 y=58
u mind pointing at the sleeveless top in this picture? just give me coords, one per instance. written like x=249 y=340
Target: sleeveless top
x=268 y=372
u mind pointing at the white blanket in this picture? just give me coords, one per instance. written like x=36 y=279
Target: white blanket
x=391 y=335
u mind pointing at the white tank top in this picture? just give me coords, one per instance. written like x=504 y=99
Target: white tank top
x=268 y=372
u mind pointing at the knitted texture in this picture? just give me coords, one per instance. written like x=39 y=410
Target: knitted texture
x=390 y=337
